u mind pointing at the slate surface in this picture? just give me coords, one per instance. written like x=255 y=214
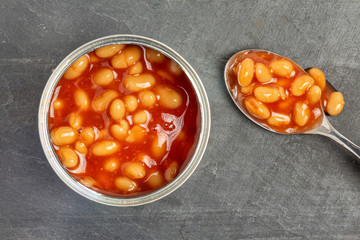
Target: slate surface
x=251 y=184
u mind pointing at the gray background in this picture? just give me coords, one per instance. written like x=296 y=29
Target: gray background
x=250 y=184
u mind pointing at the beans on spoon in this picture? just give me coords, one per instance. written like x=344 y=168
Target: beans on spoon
x=280 y=96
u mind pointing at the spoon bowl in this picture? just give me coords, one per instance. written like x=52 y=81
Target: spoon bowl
x=322 y=125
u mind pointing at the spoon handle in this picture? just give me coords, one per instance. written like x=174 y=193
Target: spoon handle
x=326 y=129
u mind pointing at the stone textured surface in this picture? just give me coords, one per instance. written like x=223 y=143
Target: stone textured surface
x=251 y=184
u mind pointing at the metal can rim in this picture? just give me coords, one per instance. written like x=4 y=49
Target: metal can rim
x=91 y=194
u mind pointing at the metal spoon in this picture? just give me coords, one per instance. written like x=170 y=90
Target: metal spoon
x=322 y=127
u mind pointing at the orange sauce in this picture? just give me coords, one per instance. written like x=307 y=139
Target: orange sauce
x=180 y=126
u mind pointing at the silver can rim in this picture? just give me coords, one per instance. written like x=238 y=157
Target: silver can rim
x=91 y=194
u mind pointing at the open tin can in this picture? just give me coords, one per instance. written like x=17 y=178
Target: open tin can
x=201 y=141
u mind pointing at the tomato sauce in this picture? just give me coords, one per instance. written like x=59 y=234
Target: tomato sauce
x=180 y=126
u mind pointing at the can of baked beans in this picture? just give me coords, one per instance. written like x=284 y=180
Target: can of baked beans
x=106 y=169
